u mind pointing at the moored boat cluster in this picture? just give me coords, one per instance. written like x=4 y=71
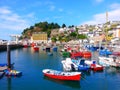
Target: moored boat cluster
x=79 y=59
x=4 y=70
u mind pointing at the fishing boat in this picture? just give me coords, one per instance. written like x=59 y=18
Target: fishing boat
x=12 y=73
x=87 y=54
x=109 y=61
x=68 y=65
x=36 y=48
x=94 y=66
x=55 y=48
x=61 y=75
x=82 y=66
x=65 y=54
x=117 y=53
x=75 y=65
x=76 y=54
x=105 y=52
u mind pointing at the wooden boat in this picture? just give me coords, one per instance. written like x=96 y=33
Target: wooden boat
x=12 y=73
x=75 y=76
x=94 y=66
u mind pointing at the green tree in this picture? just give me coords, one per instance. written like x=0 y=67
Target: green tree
x=73 y=35
x=63 y=25
x=48 y=32
x=82 y=36
x=54 y=39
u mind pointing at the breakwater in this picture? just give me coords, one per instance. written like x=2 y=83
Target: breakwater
x=14 y=46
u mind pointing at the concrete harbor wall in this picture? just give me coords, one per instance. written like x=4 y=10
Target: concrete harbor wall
x=15 y=46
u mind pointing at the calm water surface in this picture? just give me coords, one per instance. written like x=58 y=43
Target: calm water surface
x=32 y=63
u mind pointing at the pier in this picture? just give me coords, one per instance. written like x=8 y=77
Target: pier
x=13 y=46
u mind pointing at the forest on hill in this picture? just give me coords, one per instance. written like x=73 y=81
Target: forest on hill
x=41 y=27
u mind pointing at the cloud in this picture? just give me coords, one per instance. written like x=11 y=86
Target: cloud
x=50 y=5
x=4 y=10
x=60 y=10
x=11 y=21
x=99 y=1
x=52 y=8
x=58 y=17
x=115 y=6
x=113 y=15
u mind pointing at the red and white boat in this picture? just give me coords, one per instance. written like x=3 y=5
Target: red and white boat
x=61 y=75
x=36 y=48
x=94 y=66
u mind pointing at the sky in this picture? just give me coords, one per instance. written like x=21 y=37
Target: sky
x=17 y=15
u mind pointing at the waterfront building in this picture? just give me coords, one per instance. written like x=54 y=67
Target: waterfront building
x=39 y=37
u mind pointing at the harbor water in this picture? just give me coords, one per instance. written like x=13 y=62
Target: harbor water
x=32 y=63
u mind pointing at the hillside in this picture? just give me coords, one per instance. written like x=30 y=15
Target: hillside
x=40 y=27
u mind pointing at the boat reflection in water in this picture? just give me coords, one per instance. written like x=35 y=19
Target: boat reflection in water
x=112 y=71
x=72 y=84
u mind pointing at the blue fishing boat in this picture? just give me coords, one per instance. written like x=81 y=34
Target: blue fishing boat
x=55 y=48
x=82 y=66
x=105 y=52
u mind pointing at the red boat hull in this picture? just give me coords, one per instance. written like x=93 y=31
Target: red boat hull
x=36 y=49
x=25 y=46
x=94 y=68
x=62 y=77
x=87 y=54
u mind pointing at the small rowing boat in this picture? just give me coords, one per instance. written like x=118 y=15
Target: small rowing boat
x=75 y=76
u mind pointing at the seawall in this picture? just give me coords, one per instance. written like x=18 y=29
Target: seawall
x=15 y=46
